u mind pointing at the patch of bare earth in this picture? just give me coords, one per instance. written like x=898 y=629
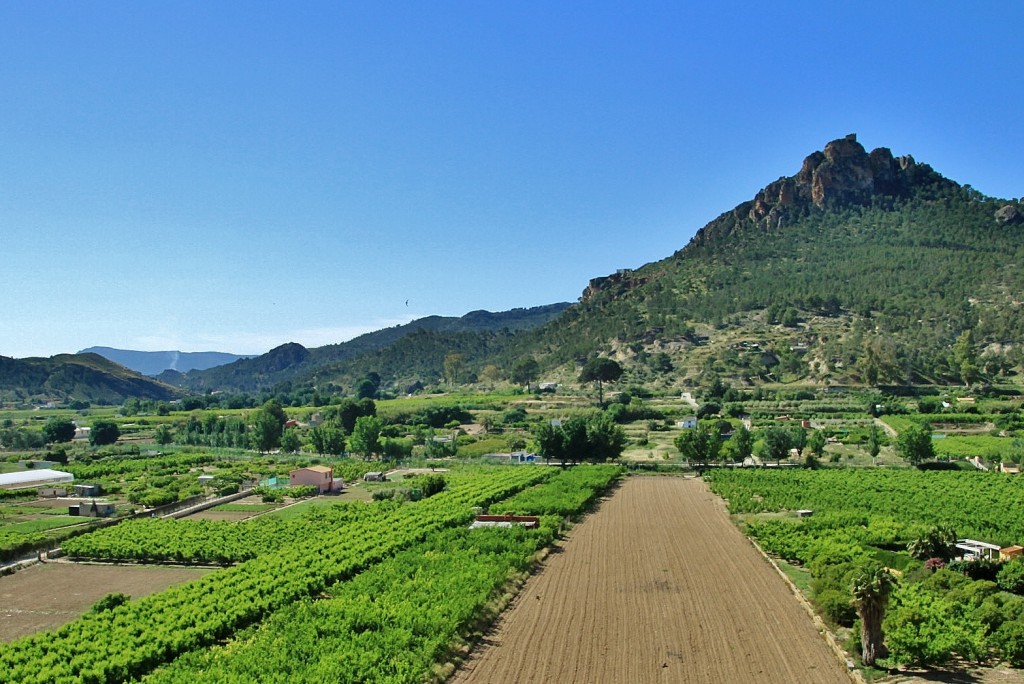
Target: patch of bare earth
x=657 y=586
x=48 y=595
x=997 y=675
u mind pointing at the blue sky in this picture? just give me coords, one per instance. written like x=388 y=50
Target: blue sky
x=236 y=175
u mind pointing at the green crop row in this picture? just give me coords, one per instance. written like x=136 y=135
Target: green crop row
x=396 y=621
x=136 y=637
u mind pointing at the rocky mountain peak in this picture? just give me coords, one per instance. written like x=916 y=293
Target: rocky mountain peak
x=844 y=172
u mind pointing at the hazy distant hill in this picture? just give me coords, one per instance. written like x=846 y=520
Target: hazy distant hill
x=83 y=377
x=154 y=363
x=294 y=363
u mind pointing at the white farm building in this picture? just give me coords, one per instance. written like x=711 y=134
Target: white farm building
x=26 y=479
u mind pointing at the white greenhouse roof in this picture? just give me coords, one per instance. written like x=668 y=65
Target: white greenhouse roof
x=29 y=478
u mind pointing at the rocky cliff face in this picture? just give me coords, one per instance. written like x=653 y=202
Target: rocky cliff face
x=844 y=173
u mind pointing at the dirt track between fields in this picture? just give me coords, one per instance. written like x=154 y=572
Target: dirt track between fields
x=657 y=586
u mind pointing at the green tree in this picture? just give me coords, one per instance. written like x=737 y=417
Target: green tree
x=59 y=430
x=596 y=439
x=874 y=446
x=453 y=365
x=816 y=443
x=291 y=442
x=964 y=359
x=490 y=374
x=266 y=431
x=915 y=445
x=743 y=443
x=924 y=628
x=600 y=370
x=775 y=443
x=700 y=444
x=1011 y=576
x=164 y=434
x=365 y=438
x=937 y=542
x=365 y=389
x=871 y=592
x=346 y=412
x=605 y=439
x=525 y=372
x=396 y=448
x=550 y=442
x=328 y=438
x=797 y=438
x=104 y=432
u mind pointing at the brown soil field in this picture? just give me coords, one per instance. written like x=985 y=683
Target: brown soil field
x=657 y=586
x=48 y=595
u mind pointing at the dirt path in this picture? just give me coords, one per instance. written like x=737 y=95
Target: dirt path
x=658 y=586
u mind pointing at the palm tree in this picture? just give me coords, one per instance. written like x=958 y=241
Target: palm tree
x=937 y=542
x=870 y=597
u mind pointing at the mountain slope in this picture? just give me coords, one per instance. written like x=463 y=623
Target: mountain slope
x=293 y=363
x=878 y=264
x=82 y=377
x=154 y=363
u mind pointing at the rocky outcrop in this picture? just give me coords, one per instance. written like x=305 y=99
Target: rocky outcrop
x=615 y=284
x=843 y=173
x=1009 y=214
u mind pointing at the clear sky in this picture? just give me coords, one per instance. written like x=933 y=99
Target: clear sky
x=232 y=176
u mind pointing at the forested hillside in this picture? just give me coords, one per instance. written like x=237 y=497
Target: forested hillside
x=861 y=268
x=75 y=377
x=403 y=353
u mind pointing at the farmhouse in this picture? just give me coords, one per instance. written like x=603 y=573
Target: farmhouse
x=86 y=490
x=972 y=549
x=26 y=479
x=95 y=509
x=1010 y=468
x=52 y=492
x=688 y=423
x=320 y=477
x=1010 y=552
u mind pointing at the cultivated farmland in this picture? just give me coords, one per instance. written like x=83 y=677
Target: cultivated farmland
x=658 y=586
x=49 y=595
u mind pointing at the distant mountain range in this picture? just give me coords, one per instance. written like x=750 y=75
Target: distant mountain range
x=156 y=362
x=338 y=364
x=861 y=268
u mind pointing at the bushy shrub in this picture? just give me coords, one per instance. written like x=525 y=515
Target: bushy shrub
x=836 y=606
x=1011 y=576
x=109 y=602
x=980 y=569
x=1009 y=641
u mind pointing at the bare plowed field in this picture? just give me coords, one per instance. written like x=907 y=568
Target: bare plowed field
x=49 y=595
x=657 y=586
